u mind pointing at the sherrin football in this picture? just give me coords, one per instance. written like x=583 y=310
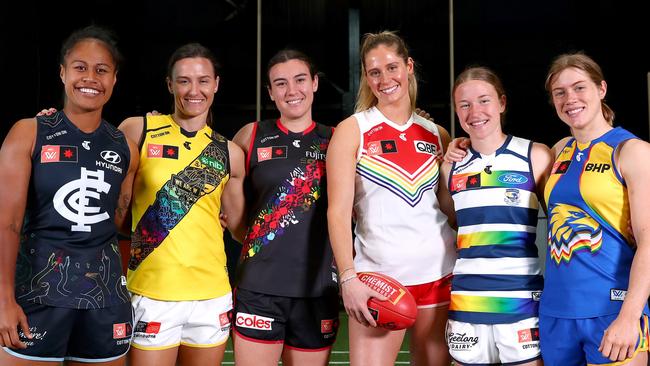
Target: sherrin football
x=399 y=311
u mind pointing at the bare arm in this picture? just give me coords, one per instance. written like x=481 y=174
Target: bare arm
x=619 y=340
x=123 y=209
x=341 y=163
x=444 y=197
x=557 y=148
x=542 y=161
x=233 y=201
x=243 y=137
x=15 y=167
x=132 y=128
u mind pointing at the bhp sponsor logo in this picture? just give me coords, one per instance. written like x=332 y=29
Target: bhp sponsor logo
x=253 y=321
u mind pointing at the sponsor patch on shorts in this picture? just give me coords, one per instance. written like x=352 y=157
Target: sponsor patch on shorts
x=617 y=294
x=251 y=321
x=528 y=335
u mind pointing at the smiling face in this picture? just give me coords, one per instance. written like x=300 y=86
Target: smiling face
x=193 y=84
x=479 y=108
x=387 y=74
x=577 y=98
x=89 y=75
x=292 y=88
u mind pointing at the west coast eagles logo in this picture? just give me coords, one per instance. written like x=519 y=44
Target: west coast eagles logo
x=571 y=229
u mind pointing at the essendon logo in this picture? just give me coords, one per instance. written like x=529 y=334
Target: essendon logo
x=244 y=320
x=528 y=335
x=561 y=167
x=58 y=153
x=162 y=151
x=388 y=146
x=147 y=327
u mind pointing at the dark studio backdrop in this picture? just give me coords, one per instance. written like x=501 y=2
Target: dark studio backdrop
x=518 y=39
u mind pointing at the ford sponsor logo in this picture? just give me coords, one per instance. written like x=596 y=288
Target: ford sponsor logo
x=512 y=178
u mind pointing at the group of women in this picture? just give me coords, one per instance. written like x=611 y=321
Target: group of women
x=63 y=297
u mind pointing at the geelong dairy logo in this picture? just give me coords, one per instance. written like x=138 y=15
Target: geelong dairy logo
x=111 y=156
x=425 y=147
x=253 y=321
x=72 y=200
x=461 y=341
x=512 y=178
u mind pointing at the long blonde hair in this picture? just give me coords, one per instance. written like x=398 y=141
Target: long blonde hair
x=365 y=98
x=582 y=62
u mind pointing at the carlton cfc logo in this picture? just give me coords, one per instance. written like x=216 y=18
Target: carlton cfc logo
x=72 y=200
x=253 y=321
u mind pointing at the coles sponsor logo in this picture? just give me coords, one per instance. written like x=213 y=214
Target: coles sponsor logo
x=425 y=147
x=251 y=321
x=512 y=178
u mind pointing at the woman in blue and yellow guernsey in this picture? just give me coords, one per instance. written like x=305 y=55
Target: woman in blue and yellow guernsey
x=188 y=175
x=596 y=279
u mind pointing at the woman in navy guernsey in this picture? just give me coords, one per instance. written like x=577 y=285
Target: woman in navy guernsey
x=286 y=300
x=71 y=175
x=593 y=309
x=386 y=169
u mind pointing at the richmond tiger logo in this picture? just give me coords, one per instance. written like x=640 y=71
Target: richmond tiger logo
x=571 y=229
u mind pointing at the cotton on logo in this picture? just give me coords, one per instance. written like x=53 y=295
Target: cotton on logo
x=154 y=150
x=264 y=153
x=72 y=200
x=253 y=321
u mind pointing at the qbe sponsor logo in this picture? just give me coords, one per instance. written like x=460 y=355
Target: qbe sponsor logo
x=425 y=147
x=251 y=321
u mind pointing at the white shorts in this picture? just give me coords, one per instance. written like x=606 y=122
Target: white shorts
x=167 y=324
x=488 y=344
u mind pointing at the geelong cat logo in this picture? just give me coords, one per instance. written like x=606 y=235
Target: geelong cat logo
x=572 y=229
x=72 y=200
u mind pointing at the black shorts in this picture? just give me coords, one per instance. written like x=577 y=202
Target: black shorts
x=307 y=323
x=82 y=335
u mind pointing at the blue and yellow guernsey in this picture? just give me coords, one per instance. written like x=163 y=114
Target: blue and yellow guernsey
x=589 y=255
x=497 y=276
x=177 y=248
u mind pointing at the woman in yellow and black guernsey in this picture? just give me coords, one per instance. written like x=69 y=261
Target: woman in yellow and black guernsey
x=187 y=176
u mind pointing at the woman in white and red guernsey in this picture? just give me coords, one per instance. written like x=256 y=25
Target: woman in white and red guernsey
x=383 y=168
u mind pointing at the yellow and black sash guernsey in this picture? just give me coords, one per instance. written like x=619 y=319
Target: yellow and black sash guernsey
x=177 y=250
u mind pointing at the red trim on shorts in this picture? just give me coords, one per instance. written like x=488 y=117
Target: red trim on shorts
x=309 y=349
x=255 y=340
x=432 y=294
x=250 y=146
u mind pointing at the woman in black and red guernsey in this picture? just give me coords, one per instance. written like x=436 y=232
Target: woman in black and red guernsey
x=286 y=301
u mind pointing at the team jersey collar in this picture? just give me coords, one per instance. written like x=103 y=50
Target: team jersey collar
x=287 y=132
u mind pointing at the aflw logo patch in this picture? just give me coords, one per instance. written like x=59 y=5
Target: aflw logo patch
x=162 y=151
x=617 y=295
x=58 y=153
x=272 y=152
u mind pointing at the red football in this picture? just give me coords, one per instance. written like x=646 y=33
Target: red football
x=399 y=311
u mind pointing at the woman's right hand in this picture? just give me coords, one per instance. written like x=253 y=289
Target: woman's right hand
x=11 y=317
x=457 y=150
x=46 y=112
x=355 y=299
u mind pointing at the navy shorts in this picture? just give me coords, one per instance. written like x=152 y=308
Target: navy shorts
x=303 y=323
x=82 y=335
